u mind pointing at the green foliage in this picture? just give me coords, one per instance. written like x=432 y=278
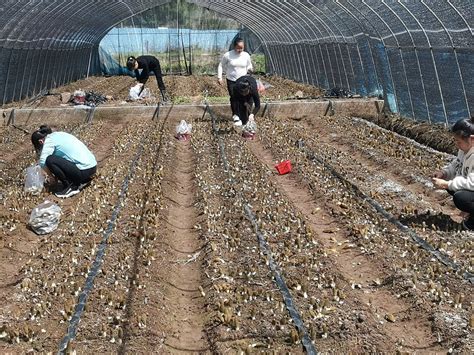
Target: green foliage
x=181 y=100
x=210 y=99
x=259 y=62
x=218 y=99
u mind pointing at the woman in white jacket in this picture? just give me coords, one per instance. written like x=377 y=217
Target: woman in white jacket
x=235 y=63
x=458 y=176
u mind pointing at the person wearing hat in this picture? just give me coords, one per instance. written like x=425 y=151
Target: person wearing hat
x=66 y=158
x=143 y=66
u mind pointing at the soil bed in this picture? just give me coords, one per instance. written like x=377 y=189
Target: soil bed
x=183 y=270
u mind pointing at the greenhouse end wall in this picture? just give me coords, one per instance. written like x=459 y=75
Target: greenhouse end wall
x=418 y=55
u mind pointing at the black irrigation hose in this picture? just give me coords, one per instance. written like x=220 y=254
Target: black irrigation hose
x=285 y=292
x=90 y=115
x=442 y=257
x=87 y=120
x=89 y=284
x=11 y=118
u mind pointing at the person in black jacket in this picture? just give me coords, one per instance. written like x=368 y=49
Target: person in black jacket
x=143 y=66
x=245 y=96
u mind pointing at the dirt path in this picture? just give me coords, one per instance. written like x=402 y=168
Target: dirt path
x=182 y=280
x=411 y=330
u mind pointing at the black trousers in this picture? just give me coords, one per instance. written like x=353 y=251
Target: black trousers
x=464 y=200
x=233 y=102
x=244 y=108
x=67 y=172
x=161 y=84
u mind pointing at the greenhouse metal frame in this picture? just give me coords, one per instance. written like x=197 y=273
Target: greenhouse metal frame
x=417 y=54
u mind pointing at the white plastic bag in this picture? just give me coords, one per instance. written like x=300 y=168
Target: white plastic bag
x=250 y=127
x=135 y=94
x=45 y=217
x=184 y=128
x=79 y=97
x=34 y=179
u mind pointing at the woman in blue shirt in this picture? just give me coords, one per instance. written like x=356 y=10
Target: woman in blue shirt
x=66 y=158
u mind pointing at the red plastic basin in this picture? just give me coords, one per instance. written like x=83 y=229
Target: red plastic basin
x=284 y=167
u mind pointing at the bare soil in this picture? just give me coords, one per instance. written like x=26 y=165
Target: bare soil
x=183 y=271
x=181 y=89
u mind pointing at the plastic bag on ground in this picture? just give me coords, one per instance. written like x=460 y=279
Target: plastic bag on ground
x=45 y=217
x=135 y=94
x=250 y=126
x=183 y=130
x=34 y=179
x=249 y=129
x=79 y=97
x=262 y=86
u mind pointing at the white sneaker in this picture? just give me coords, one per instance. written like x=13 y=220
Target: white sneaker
x=237 y=121
x=68 y=192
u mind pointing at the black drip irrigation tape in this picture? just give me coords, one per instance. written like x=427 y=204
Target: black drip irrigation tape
x=279 y=280
x=442 y=257
x=11 y=122
x=90 y=115
x=11 y=118
x=285 y=292
x=95 y=268
x=88 y=119
x=265 y=108
x=329 y=109
x=20 y=129
x=157 y=111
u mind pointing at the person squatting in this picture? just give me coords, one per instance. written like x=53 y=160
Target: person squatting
x=458 y=177
x=65 y=158
x=244 y=96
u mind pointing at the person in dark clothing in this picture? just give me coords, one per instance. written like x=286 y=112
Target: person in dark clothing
x=143 y=66
x=244 y=96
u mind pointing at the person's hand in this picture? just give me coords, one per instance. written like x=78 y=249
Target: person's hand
x=251 y=117
x=219 y=81
x=439 y=174
x=440 y=183
x=51 y=180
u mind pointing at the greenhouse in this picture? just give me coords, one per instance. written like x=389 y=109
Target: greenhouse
x=236 y=176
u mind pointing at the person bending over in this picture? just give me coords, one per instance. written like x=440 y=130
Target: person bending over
x=458 y=177
x=66 y=158
x=245 y=96
x=143 y=66
x=235 y=63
